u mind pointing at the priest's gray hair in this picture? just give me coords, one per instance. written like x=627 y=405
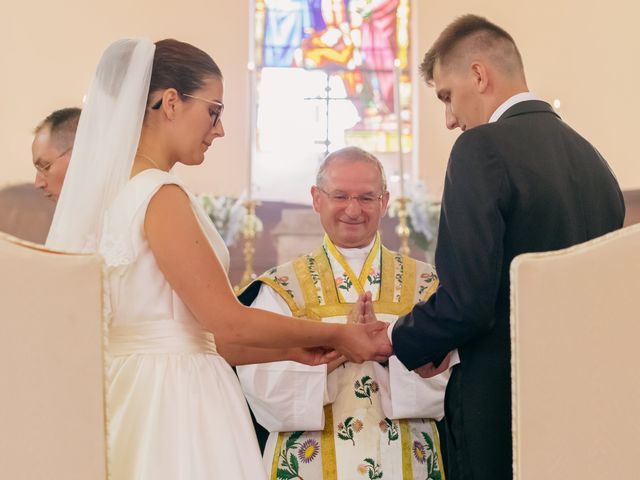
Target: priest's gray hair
x=350 y=155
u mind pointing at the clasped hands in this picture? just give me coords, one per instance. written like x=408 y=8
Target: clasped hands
x=363 y=314
x=365 y=338
x=362 y=338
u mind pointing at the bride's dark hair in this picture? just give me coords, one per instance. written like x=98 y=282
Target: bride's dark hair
x=181 y=66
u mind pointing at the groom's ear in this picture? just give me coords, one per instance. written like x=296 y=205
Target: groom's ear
x=480 y=74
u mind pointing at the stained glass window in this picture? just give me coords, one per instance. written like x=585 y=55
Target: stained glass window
x=326 y=76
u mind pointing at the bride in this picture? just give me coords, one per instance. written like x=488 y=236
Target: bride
x=174 y=405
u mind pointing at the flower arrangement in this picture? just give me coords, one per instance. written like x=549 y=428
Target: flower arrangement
x=423 y=215
x=229 y=215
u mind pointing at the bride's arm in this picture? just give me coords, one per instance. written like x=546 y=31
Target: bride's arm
x=236 y=354
x=189 y=264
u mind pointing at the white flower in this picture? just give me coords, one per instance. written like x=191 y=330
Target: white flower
x=422 y=214
x=229 y=215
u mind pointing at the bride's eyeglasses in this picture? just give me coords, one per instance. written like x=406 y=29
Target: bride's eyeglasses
x=215 y=114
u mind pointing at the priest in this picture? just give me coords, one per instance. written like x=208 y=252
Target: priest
x=345 y=420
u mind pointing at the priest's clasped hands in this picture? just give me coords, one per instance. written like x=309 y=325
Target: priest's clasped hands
x=363 y=338
x=375 y=340
x=368 y=338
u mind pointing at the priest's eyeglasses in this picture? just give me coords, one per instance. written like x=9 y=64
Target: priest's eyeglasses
x=341 y=198
x=215 y=114
x=43 y=166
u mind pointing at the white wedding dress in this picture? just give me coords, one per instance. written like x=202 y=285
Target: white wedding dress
x=174 y=406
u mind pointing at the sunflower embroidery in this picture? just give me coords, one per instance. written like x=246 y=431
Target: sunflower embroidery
x=419 y=452
x=308 y=451
x=425 y=454
x=288 y=464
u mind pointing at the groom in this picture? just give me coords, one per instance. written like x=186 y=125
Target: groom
x=519 y=180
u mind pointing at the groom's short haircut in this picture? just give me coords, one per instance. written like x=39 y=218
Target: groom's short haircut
x=470 y=35
x=62 y=125
x=350 y=154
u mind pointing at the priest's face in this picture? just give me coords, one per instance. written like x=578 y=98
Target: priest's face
x=350 y=202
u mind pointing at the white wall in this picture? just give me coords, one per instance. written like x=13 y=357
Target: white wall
x=584 y=53
x=50 y=51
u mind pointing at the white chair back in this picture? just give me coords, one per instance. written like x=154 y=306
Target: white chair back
x=575 y=332
x=52 y=416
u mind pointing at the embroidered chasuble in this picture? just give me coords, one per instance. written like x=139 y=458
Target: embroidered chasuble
x=358 y=422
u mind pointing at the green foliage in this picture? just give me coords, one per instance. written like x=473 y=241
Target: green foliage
x=282 y=474
x=293 y=438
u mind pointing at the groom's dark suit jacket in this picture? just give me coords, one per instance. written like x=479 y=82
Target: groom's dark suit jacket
x=526 y=183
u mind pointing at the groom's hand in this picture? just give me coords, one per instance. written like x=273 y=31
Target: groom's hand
x=364 y=337
x=361 y=342
x=430 y=370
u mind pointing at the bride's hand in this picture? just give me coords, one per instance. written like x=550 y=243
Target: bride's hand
x=361 y=342
x=314 y=356
x=365 y=338
x=332 y=365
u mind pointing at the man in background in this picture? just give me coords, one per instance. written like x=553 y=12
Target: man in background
x=51 y=149
x=24 y=211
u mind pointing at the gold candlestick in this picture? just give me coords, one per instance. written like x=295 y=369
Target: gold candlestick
x=402 y=229
x=249 y=231
x=251 y=224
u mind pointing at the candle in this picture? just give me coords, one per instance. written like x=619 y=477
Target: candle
x=397 y=108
